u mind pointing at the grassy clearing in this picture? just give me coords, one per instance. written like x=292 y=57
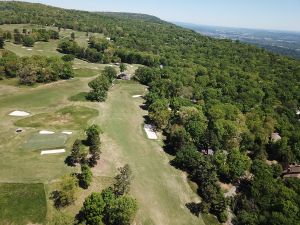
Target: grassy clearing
x=44 y=142
x=71 y=117
x=22 y=204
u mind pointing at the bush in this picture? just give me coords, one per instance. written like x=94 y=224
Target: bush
x=86 y=176
x=68 y=58
x=28 y=41
x=66 y=195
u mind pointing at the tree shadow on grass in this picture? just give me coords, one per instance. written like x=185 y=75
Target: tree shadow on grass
x=195 y=208
x=69 y=161
x=55 y=197
x=147 y=119
x=144 y=107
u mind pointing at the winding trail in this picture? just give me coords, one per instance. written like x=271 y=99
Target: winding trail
x=161 y=190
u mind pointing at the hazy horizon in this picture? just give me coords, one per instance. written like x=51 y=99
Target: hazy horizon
x=256 y=14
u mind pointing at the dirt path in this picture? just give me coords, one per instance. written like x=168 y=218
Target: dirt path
x=161 y=190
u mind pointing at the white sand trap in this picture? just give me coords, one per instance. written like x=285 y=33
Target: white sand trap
x=55 y=151
x=29 y=49
x=46 y=132
x=150 y=132
x=67 y=132
x=19 y=113
x=137 y=96
x=40 y=50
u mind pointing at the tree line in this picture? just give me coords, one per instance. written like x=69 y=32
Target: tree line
x=29 y=37
x=34 y=69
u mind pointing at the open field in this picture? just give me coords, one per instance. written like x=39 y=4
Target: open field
x=22 y=204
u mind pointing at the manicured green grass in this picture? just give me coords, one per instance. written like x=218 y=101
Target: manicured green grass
x=80 y=97
x=71 y=117
x=86 y=72
x=45 y=141
x=22 y=204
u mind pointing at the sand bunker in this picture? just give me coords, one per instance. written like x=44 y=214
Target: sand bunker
x=150 y=132
x=19 y=113
x=40 y=50
x=137 y=96
x=54 y=151
x=46 y=132
x=67 y=132
x=29 y=49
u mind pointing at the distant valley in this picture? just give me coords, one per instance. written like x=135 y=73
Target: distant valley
x=282 y=42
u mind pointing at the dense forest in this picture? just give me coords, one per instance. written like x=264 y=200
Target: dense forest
x=218 y=102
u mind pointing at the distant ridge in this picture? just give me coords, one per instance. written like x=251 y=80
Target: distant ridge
x=282 y=42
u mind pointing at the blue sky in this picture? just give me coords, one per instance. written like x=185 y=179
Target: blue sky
x=264 y=14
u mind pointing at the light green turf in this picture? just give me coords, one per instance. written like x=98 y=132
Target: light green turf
x=86 y=72
x=70 y=117
x=210 y=219
x=45 y=142
x=22 y=204
x=161 y=190
x=80 y=97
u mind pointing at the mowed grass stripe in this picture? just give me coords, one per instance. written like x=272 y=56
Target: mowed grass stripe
x=21 y=204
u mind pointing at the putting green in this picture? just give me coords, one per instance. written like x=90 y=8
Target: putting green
x=45 y=141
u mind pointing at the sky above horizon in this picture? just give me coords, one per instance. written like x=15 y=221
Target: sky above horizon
x=261 y=14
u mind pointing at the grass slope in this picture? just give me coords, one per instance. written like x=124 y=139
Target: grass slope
x=22 y=204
